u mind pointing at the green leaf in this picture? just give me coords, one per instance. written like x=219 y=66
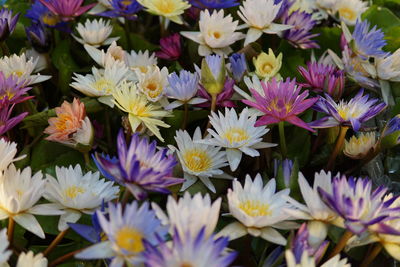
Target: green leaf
x=329 y=38
x=139 y=43
x=392 y=36
x=381 y=17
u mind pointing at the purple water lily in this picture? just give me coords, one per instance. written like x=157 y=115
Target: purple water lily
x=214 y=4
x=7 y=23
x=170 y=47
x=139 y=167
x=67 y=9
x=13 y=90
x=6 y=121
x=368 y=42
x=123 y=8
x=238 y=66
x=223 y=98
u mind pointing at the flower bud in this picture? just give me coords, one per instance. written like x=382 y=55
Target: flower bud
x=213 y=74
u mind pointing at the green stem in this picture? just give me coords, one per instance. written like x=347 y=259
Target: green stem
x=338 y=147
x=163 y=28
x=4 y=48
x=86 y=157
x=212 y=109
x=341 y=244
x=371 y=255
x=125 y=197
x=282 y=139
x=185 y=116
x=127 y=33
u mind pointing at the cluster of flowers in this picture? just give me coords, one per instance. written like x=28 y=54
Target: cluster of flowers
x=168 y=145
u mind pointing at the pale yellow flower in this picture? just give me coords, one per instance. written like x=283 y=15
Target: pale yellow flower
x=170 y=9
x=359 y=146
x=267 y=65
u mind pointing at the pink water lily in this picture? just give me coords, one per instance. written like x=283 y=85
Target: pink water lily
x=67 y=9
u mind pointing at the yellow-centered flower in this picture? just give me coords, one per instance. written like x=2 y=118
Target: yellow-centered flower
x=267 y=65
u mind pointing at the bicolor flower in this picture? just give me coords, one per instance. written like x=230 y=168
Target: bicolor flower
x=349 y=11
x=8 y=22
x=140 y=167
x=189 y=215
x=170 y=47
x=199 y=160
x=152 y=82
x=71 y=126
x=6 y=121
x=353 y=113
x=300 y=35
x=258 y=16
x=101 y=83
x=360 y=146
x=30 y=259
x=259 y=210
x=217 y=33
x=213 y=4
x=8 y=151
x=126 y=231
x=213 y=74
x=188 y=250
x=12 y=90
x=77 y=193
x=19 y=194
x=141 y=111
x=113 y=55
x=315 y=211
x=238 y=66
x=360 y=207
x=267 y=65
x=39 y=13
x=170 y=9
x=22 y=68
x=183 y=88
x=119 y=8
x=282 y=101
x=323 y=78
x=95 y=33
x=67 y=9
x=4 y=252
x=237 y=134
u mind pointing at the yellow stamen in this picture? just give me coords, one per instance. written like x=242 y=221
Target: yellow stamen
x=73 y=191
x=347 y=13
x=236 y=135
x=255 y=208
x=197 y=160
x=130 y=240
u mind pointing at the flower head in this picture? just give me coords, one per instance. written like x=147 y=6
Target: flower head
x=170 y=9
x=189 y=250
x=67 y=9
x=258 y=16
x=238 y=66
x=39 y=13
x=152 y=82
x=360 y=207
x=190 y=214
x=199 y=160
x=388 y=68
x=267 y=65
x=170 y=47
x=139 y=167
x=8 y=22
x=183 y=88
x=19 y=193
x=368 y=42
x=126 y=231
x=8 y=150
x=282 y=101
x=140 y=60
x=6 y=121
x=77 y=193
x=308 y=261
x=323 y=78
x=258 y=210
x=113 y=55
x=30 y=259
x=213 y=4
x=71 y=126
x=300 y=35
x=122 y=8
x=216 y=34
x=95 y=33
x=213 y=73
x=352 y=113
x=38 y=37
x=349 y=11
x=237 y=134
x=12 y=90
x=359 y=146
x=140 y=110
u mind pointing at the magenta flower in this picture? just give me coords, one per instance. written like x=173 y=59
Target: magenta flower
x=13 y=90
x=223 y=98
x=323 y=78
x=281 y=101
x=67 y=9
x=7 y=123
x=170 y=47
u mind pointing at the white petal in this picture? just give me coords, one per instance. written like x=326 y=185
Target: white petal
x=252 y=35
x=46 y=209
x=234 y=156
x=233 y=231
x=69 y=217
x=29 y=222
x=206 y=181
x=273 y=236
x=98 y=251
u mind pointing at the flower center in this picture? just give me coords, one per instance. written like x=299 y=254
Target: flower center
x=255 y=208
x=236 y=135
x=346 y=112
x=347 y=13
x=126 y=2
x=165 y=6
x=50 y=19
x=18 y=73
x=138 y=108
x=103 y=85
x=130 y=240
x=197 y=160
x=62 y=121
x=267 y=67
x=73 y=191
x=217 y=35
x=186 y=264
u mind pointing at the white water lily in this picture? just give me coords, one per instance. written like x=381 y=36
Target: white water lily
x=19 y=193
x=140 y=60
x=259 y=210
x=359 y=146
x=307 y=261
x=102 y=82
x=8 y=150
x=199 y=160
x=4 y=252
x=77 y=193
x=152 y=82
x=216 y=34
x=29 y=259
x=113 y=55
x=23 y=68
x=258 y=16
x=349 y=11
x=190 y=214
x=237 y=134
x=388 y=68
x=95 y=33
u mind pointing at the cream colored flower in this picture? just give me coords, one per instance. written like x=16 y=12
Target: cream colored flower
x=388 y=68
x=349 y=11
x=8 y=150
x=152 y=82
x=95 y=33
x=31 y=260
x=114 y=55
x=140 y=60
x=359 y=146
x=267 y=65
